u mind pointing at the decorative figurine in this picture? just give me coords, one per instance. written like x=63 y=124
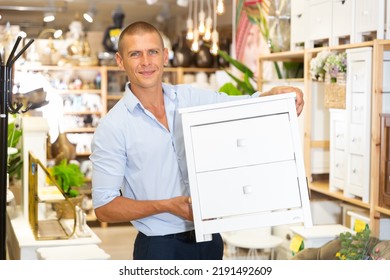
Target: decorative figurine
x=111 y=35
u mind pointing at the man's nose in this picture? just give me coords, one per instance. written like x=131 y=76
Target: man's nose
x=145 y=58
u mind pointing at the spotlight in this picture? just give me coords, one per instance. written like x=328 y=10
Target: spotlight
x=48 y=17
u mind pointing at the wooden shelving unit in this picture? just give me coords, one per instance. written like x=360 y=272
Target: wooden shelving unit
x=322 y=187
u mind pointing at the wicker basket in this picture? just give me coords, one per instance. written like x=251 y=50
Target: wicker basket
x=335 y=93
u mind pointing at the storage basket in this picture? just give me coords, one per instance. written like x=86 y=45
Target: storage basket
x=335 y=93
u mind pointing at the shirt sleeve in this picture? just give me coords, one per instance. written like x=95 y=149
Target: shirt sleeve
x=109 y=161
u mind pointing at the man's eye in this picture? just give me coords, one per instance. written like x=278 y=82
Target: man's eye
x=134 y=54
x=153 y=52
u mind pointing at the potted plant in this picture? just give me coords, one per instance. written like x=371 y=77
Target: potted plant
x=69 y=178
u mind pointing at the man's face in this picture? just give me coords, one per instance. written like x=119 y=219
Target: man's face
x=143 y=58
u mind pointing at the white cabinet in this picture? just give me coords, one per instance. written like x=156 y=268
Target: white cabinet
x=342 y=15
x=319 y=21
x=350 y=130
x=337 y=149
x=369 y=17
x=298 y=17
x=245 y=165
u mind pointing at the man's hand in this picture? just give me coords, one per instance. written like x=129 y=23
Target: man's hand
x=299 y=102
x=181 y=206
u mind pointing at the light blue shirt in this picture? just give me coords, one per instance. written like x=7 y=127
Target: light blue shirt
x=133 y=152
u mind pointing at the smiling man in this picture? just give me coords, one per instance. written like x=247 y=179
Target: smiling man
x=139 y=164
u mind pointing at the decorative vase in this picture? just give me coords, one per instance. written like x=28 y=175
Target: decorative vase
x=203 y=58
x=62 y=148
x=182 y=54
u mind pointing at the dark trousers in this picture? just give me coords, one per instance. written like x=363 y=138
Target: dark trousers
x=180 y=246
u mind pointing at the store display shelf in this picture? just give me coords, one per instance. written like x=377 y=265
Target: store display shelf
x=323 y=188
x=115 y=97
x=383 y=210
x=80 y=130
x=284 y=56
x=77 y=91
x=83 y=113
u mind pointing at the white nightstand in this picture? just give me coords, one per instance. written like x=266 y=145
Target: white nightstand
x=245 y=165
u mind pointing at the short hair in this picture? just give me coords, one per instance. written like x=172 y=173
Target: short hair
x=139 y=27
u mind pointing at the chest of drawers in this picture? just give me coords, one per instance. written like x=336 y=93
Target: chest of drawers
x=245 y=165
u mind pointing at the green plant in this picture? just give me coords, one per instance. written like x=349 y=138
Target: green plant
x=68 y=176
x=334 y=64
x=358 y=246
x=243 y=86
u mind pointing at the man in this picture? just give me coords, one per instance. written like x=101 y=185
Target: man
x=139 y=167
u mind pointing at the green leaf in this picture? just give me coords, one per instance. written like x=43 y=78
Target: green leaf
x=230 y=89
x=243 y=68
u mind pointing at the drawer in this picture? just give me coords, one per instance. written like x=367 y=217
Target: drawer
x=320 y=20
x=242 y=142
x=337 y=184
x=367 y=13
x=248 y=190
x=342 y=17
x=358 y=76
x=358 y=107
x=339 y=134
x=298 y=28
x=356 y=139
x=339 y=167
x=297 y=7
x=356 y=171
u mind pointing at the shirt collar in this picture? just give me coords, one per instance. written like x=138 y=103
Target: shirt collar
x=132 y=101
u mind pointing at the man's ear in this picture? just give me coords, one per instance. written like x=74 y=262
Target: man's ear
x=166 y=56
x=119 y=60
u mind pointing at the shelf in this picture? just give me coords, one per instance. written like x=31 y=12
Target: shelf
x=323 y=188
x=83 y=154
x=114 y=97
x=77 y=91
x=80 y=130
x=383 y=210
x=82 y=113
x=293 y=56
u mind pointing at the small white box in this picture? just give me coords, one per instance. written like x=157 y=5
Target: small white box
x=317 y=236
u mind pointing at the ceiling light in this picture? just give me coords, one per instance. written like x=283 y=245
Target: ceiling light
x=88 y=16
x=57 y=34
x=48 y=17
x=182 y=3
x=151 y=2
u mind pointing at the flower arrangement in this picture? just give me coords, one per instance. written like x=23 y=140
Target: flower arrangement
x=358 y=246
x=317 y=64
x=336 y=63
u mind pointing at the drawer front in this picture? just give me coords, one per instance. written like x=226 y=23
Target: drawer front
x=242 y=142
x=356 y=171
x=320 y=20
x=339 y=134
x=248 y=190
x=337 y=184
x=358 y=108
x=339 y=168
x=297 y=7
x=298 y=28
x=356 y=140
x=342 y=17
x=358 y=76
x=366 y=15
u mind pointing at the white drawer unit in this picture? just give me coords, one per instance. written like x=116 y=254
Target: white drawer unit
x=369 y=17
x=342 y=14
x=337 y=147
x=245 y=165
x=358 y=123
x=319 y=21
x=297 y=27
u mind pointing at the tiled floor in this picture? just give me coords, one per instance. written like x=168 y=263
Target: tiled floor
x=118 y=241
